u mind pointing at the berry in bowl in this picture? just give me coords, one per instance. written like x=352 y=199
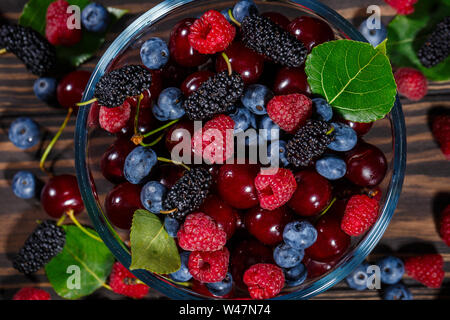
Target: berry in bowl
x=235 y=150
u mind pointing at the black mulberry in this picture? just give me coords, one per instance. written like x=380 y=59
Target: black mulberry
x=116 y=86
x=267 y=38
x=46 y=241
x=188 y=193
x=216 y=95
x=437 y=46
x=309 y=143
x=38 y=55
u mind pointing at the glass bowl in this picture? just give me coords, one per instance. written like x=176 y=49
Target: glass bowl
x=90 y=142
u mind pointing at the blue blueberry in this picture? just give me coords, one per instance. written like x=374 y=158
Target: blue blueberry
x=45 y=89
x=270 y=130
x=392 y=269
x=345 y=137
x=323 y=109
x=287 y=257
x=221 y=288
x=152 y=196
x=24 y=133
x=331 y=167
x=256 y=97
x=243 y=8
x=243 y=119
x=95 y=18
x=182 y=274
x=24 y=185
x=226 y=14
x=170 y=105
x=397 y=292
x=276 y=152
x=138 y=164
x=171 y=225
x=295 y=276
x=299 y=234
x=154 y=53
x=374 y=36
x=358 y=278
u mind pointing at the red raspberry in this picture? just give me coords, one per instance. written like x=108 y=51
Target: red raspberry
x=30 y=293
x=123 y=282
x=402 y=6
x=56 y=30
x=360 y=214
x=275 y=188
x=411 y=83
x=441 y=131
x=211 y=33
x=200 y=232
x=215 y=141
x=427 y=269
x=445 y=225
x=114 y=119
x=290 y=112
x=209 y=266
x=264 y=280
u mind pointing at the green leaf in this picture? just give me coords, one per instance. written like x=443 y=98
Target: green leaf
x=92 y=257
x=33 y=15
x=382 y=47
x=355 y=78
x=407 y=34
x=152 y=248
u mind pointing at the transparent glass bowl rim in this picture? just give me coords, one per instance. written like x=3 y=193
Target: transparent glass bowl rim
x=359 y=253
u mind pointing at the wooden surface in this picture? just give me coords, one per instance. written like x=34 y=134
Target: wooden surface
x=412 y=230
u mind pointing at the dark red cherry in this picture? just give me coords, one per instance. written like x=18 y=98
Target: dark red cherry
x=312 y=195
x=311 y=31
x=267 y=226
x=194 y=81
x=113 y=159
x=366 y=165
x=236 y=185
x=244 y=61
x=179 y=132
x=168 y=174
x=173 y=75
x=360 y=127
x=221 y=212
x=278 y=18
x=291 y=80
x=146 y=123
x=317 y=268
x=121 y=203
x=61 y=194
x=180 y=49
x=70 y=89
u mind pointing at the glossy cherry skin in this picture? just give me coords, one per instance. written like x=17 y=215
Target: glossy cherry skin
x=245 y=61
x=173 y=75
x=236 y=185
x=121 y=203
x=311 y=31
x=221 y=212
x=267 y=226
x=168 y=174
x=360 y=127
x=291 y=80
x=317 y=268
x=194 y=81
x=180 y=49
x=366 y=165
x=61 y=194
x=179 y=132
x=312 y=195
x=113 y=159
x=278 y=18
x=70 y=89
x=146 y=123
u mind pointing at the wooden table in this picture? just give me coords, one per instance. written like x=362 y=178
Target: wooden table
x=413 y=229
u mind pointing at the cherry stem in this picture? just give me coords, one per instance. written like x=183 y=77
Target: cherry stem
x=168 y=211
x=330 y=131
x=71 y=215
x=3 y=51
x=61 y=220
x=151 y=144
x=327 y=208
x=53 y=141
x=230 y=13
x=174 y=162
x=148 y=134
x=136 y=117
x=227 y=61
x=85 y=103
x=373 y=193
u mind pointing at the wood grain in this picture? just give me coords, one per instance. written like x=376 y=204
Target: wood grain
x=413 y=229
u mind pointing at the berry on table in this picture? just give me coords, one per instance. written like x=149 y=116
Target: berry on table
x=95 y=18
x=299 y=234
x=360 y=214
x=404 y=7
x=170 y=105
x=392 y=269
x=375 y=36
x=295 y=276
x=123 y=282
x=182 y=274
x=152 y=195
x=427 y=269
x=24 y=185
x=287 y=257
x=71 y=87
x=138 y=164
x=172 y=226
x=243 y=119
x=256 y=97
x=322 y=109
x=45 y=89
x=154 y=53
x=264 y=280
x=276 y=153
x=209 y=267
x=57 y=29
x=24 y=133
x=290 y=112
x=311 y=31
x=441 y=131
x=411 y=83
x=358 y=278
x=437 y=47
x=121 y=203
x=268 y=129
x=222 y=287
x=445 y=225
x=275 y=187
x=114 y=120
x=30 y=293
x=244 y=8
x=345 y=137
x=267 y=226
x=397 y=292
